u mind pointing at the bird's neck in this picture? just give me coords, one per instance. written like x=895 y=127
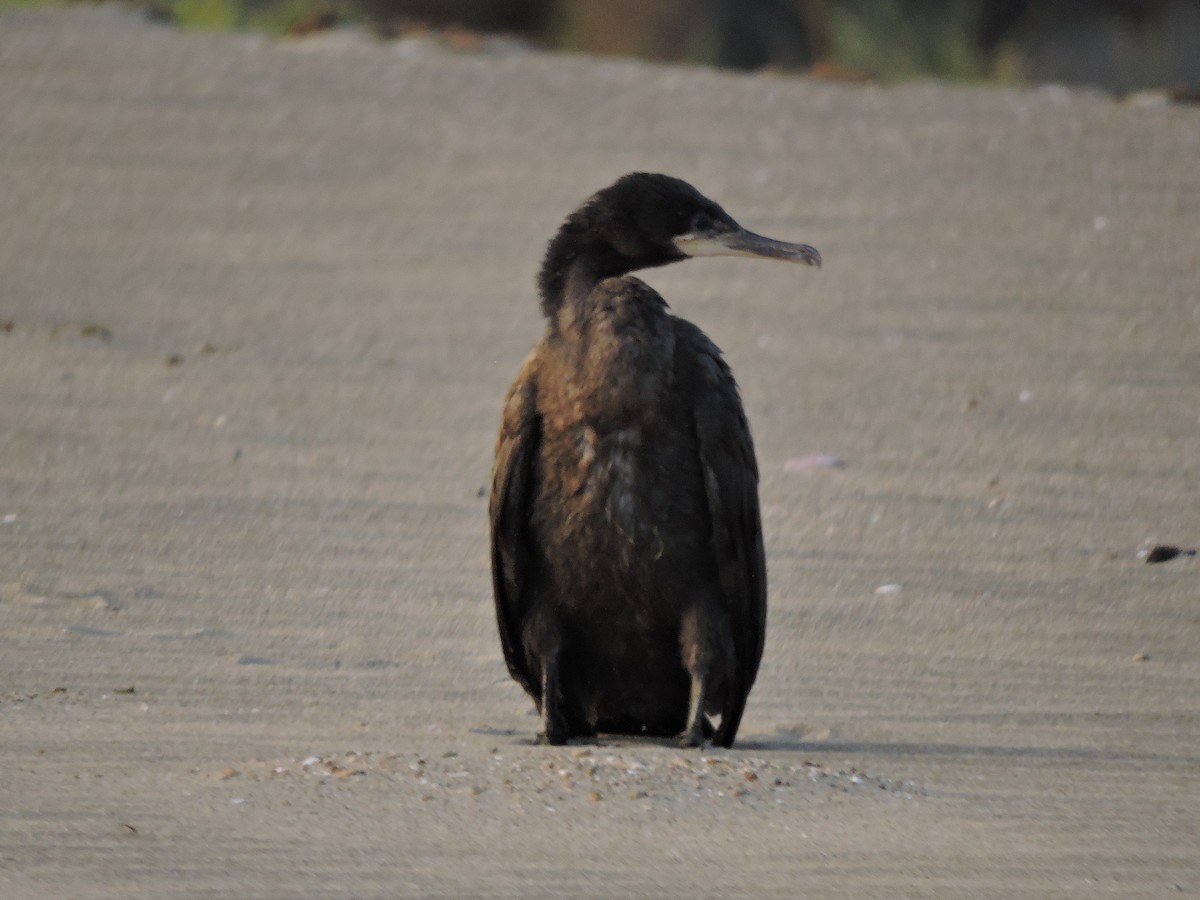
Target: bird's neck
x=573 y=266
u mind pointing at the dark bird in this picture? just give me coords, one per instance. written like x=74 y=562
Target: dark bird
x=627 y=550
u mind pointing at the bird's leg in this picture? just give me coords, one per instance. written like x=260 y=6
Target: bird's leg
x=731 y=717
x=555 y=727
x=695 y=647
x=698 y=727
x=543 y=642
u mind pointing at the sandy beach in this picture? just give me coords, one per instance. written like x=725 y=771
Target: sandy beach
x=259 y=304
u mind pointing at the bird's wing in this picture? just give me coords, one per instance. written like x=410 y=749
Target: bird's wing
x=731 y=485
x=516 y=449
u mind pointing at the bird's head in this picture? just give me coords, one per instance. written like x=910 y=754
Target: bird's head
x=644 y=220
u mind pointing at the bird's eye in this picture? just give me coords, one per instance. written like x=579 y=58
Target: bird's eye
x=700 y=223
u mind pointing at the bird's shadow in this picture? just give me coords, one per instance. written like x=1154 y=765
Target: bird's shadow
x=790 y=745
x=930 y=750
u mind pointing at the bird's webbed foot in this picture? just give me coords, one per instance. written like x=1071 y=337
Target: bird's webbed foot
x=698 y=734
x=552 y=737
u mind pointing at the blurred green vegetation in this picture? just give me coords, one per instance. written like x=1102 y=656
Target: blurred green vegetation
x=1119 y=44
x=880 y=38
x=275 y=17
x=206 y=13
x=891 y=40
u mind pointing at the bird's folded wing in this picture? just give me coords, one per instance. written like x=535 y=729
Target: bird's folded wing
x=516 y=449
x=731 y=486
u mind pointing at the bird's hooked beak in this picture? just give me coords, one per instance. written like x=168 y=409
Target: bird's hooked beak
x=740 y=242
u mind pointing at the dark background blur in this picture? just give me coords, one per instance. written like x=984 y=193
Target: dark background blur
x=1118 y=45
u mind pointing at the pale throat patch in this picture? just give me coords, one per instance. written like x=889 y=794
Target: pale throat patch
x=694 y=245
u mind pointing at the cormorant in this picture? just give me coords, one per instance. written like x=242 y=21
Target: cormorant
x=627 y=551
